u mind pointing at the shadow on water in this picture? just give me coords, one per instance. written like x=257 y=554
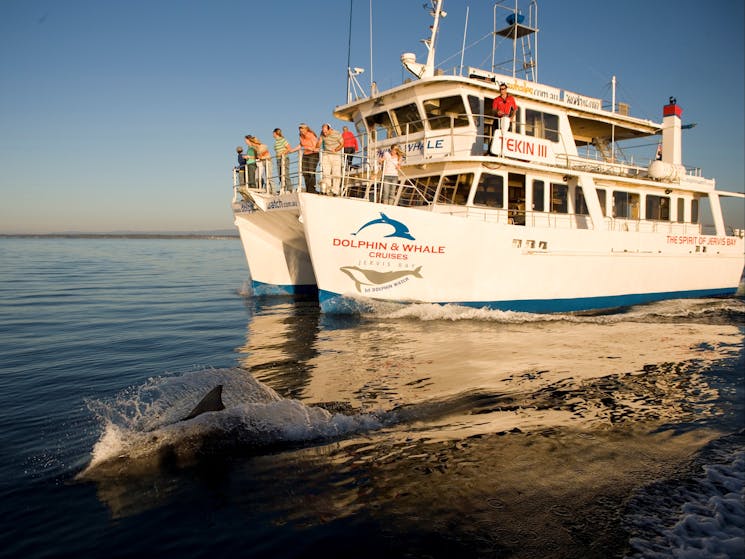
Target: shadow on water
x=451 y=435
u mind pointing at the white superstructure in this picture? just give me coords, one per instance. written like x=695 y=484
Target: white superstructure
x=548 y=216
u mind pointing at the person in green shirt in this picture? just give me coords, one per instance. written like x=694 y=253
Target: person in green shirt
x=282 y=151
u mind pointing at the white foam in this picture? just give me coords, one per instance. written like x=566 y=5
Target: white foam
x=670 y=309
x=700 y=517
x=141 y=422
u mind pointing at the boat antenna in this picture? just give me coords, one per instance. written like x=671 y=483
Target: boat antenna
x=463 y=47
x=372 y=83
x=409 y=59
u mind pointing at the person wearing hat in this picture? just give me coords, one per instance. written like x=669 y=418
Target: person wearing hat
x=505 y=108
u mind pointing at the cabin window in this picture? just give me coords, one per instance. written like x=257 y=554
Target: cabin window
x=625 y=205
x=580 y=205
x=408 y=120
x=542 y=125
x=601 y=199
x=538 y=189
x=440 y=112
x=475 y=104
x=490 y=191
x=419 y=191
x=657 y=208
x=681 y=210
x=694 y=210
x=559 y=198
x=380 y=126
x=454 y=189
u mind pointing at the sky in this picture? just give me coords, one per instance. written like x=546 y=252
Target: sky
x=124 y=116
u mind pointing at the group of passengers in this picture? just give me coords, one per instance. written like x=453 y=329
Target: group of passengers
x=255 y=162
x=255 y=165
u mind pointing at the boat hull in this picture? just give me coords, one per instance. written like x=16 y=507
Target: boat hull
x=274 y=244
x=373 y=251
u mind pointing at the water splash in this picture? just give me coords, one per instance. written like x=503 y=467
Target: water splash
x=142 y=427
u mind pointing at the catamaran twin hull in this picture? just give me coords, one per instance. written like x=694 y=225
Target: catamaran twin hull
x=363 y=250
x=274 y=244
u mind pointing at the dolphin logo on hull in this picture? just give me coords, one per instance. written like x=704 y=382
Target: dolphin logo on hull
x=399 y=229
x=372 y=277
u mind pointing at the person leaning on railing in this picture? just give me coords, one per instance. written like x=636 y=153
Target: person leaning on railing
x=331 y=153
x=264 y=160
x=282 y=151
x=505 y=107
x=309 y=145
x=391 y=162
x=350 y=146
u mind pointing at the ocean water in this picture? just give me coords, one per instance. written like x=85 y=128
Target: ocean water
x=418 y=431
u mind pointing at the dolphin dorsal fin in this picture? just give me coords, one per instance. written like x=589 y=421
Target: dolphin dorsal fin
x=211 y=402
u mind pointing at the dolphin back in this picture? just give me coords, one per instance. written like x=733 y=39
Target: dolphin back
x=212 y=401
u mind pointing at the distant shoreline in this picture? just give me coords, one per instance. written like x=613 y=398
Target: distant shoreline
x=217 y=236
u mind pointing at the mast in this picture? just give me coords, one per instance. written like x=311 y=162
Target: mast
x=408 y=59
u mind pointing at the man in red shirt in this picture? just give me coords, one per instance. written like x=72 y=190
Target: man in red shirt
x=350 y=146
x=505 y=107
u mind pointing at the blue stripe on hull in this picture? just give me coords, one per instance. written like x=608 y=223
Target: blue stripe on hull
x=260 y=288
x=337 y=304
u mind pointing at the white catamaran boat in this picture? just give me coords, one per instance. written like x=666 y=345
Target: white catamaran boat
x=272 y=236
x=546 y=217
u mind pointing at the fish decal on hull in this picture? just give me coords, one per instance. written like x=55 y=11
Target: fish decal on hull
x=400 y=230
x=373 y=277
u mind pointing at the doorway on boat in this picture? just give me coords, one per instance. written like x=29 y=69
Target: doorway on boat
x=516 y=198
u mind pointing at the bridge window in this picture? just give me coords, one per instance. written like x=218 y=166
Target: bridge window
x=542 y=125
x=380 y=126
x=681 y=210
x=657 y=208
x=490 y=191
x=694 y=210
x=441 y=111
x=408 y=120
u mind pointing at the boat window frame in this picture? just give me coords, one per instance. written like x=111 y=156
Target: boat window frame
x=558 y=198
x=655 y=204
x=630 y=202
x=580 y=202
x=402 y=126
x=603 y=200
x=439 y=118
x=460 y=189
x=481 y=197
x=373 y=126
x=538 y=202
x=546 y=132
x=419 y=191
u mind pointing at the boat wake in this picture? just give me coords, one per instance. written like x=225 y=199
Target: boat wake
x=709 y=310
x=149 y=427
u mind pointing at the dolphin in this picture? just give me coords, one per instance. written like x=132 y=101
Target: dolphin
x=399 y=229
x=212 y=401
x=372 y=277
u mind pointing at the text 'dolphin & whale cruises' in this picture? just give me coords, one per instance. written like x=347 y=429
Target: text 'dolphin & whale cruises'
x=540 y=212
